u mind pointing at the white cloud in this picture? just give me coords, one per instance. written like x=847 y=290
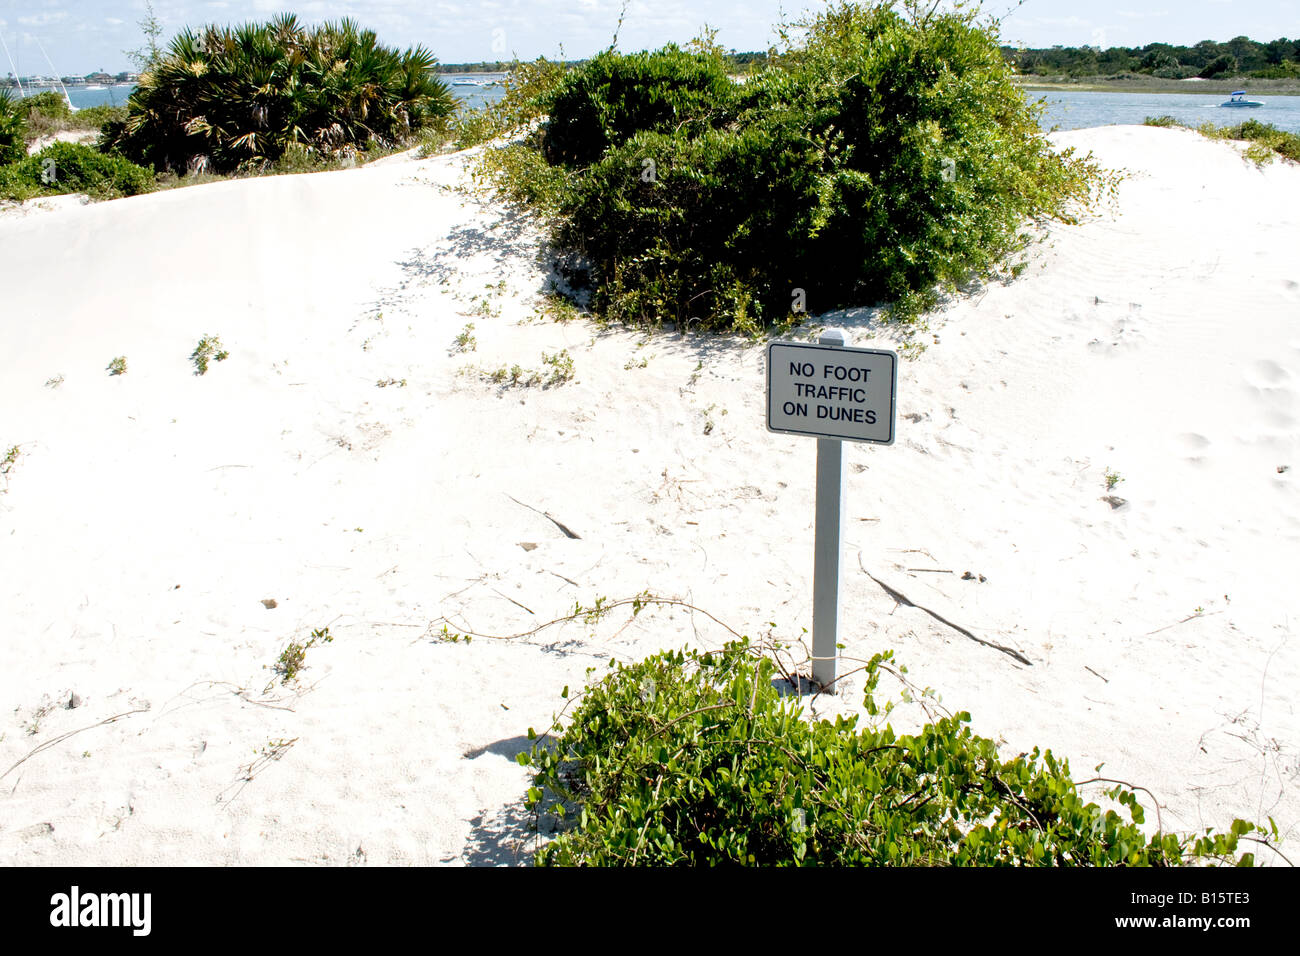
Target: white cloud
x=43 y=19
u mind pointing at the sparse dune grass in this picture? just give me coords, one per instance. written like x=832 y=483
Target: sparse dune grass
x=1266 y=140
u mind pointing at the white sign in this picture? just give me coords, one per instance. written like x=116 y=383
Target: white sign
x=832 y=391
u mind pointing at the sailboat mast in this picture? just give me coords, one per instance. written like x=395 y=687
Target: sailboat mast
x=17 y=79
x=55 y=72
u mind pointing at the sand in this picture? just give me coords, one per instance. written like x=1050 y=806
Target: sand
x=354 y=466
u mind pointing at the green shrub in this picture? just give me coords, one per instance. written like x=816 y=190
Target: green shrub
x=73 y=168
x=657 y=257
x=881 y=160
x=520 y=176
x=614 y=96
x=1286 y=70
x=208 y=349
x=7 y=462
x=96 y=117
x=1265 y=139
x=45 y=113
x=222 y=99
x=695 y=759
x=49 y=104
x=294 y=656
x=13 y=130
x=1227 y=63
x=1165 y=120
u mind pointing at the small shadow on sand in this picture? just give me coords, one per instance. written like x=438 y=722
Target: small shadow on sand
x=788 y=688
x=504 y=837
x=506 y=237
x=510 y=748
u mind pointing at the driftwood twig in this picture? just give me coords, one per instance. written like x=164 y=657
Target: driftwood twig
x=567 y=532
x=903 y=599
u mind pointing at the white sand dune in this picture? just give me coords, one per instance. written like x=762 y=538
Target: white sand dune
x=149 y=515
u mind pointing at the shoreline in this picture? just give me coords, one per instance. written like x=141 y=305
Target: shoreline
x=1157 y=85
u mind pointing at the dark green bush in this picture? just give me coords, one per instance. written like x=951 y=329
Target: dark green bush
x=74 y=168
x=223 y=99
x=1227 y=63
x=691 y=244
x=13 y=130
x=614 y=96
x=695 y=759
x=881 y=160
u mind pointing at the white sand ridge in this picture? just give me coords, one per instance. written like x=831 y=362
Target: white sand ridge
x=150 y=514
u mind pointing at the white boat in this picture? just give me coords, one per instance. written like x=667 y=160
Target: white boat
x=466 y=81
x=1238 y=100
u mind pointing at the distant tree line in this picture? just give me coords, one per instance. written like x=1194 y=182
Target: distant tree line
x=1240 y=56
x=739 y=62
x=483 y=66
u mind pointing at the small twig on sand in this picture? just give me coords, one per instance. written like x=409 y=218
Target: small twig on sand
x=243 y=693
x=903 y=599
x=557 y=523
x=1183 y=621
x=514 y=602
x=271 y=753
x=587 y=613
x=1093 y=672
x=71 y=733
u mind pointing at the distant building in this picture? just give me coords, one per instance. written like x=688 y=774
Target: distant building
x=100 y=77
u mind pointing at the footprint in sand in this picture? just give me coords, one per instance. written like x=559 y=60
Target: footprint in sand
x=1191 y=446
x=1266 y=374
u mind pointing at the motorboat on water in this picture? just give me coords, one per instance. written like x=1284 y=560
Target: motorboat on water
x=1239 y=100
x=466 y=81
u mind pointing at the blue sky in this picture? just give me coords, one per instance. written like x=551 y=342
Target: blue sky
x=84 y=35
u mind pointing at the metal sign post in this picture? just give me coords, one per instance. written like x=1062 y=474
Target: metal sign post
x=836 y=394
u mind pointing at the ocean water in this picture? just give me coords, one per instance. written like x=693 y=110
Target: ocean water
x=1079 y=109
x=112 y=95
x=1065 y=109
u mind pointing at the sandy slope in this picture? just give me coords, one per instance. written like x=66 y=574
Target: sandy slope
x=150 y=514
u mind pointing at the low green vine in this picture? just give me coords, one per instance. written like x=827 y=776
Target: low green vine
x=695 y=758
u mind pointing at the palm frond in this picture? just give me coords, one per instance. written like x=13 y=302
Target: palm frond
x=224 y=93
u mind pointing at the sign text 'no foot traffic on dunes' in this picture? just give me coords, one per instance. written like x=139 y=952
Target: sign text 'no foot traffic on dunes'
x=831 y=391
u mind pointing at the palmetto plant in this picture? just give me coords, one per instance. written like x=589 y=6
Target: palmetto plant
x=12 y=130
x=225 y=98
